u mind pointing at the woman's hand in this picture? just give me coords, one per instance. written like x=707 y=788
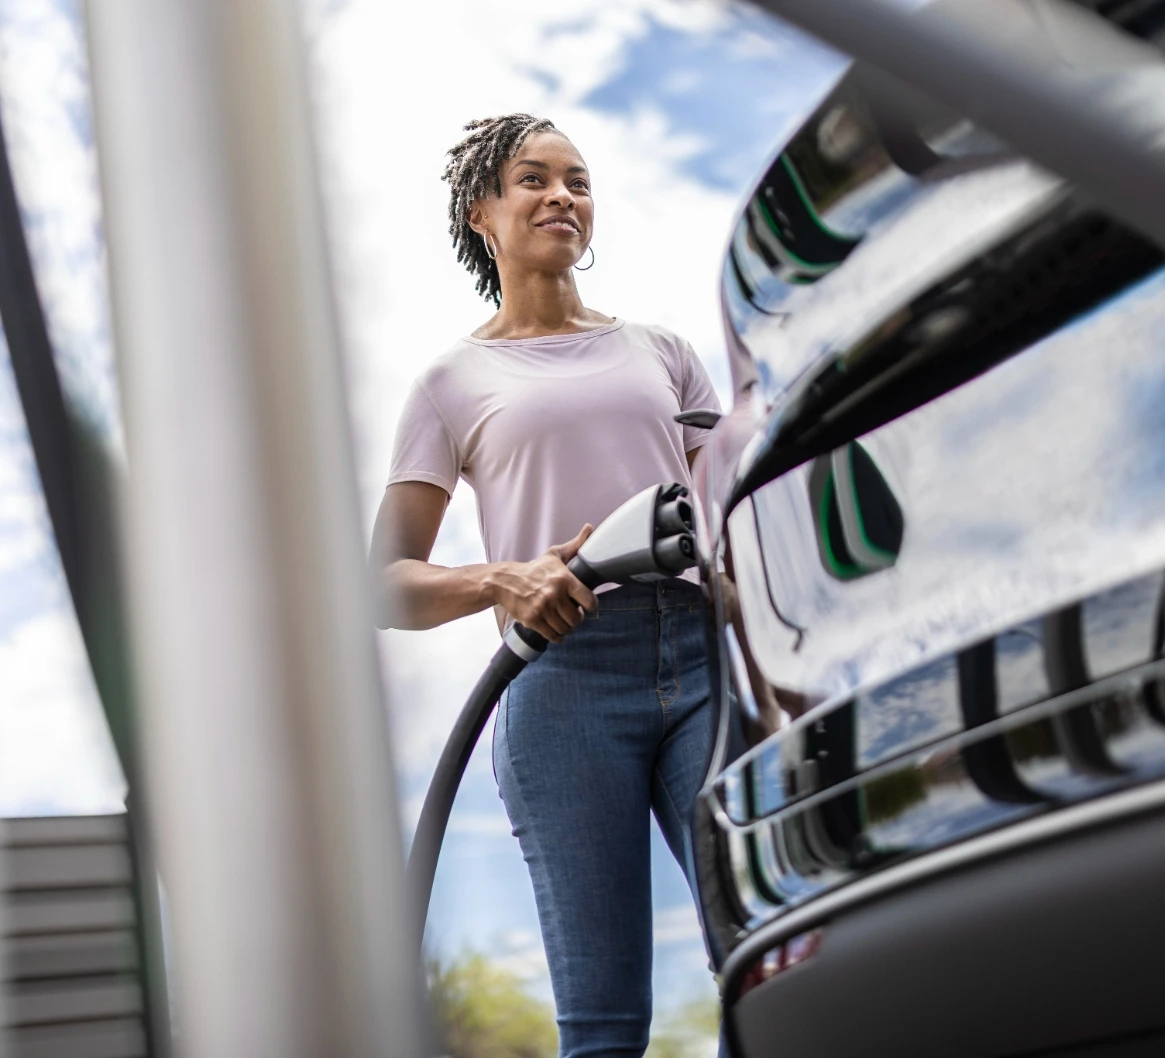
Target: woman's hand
x=411 y=592
x=543 y=594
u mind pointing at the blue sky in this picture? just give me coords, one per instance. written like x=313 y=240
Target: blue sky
x=674 y=104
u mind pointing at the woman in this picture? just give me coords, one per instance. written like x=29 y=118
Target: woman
x=555 y=414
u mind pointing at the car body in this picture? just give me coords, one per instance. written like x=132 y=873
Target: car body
x=934 y=530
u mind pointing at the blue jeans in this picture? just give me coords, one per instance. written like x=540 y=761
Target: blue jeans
x=610 y=725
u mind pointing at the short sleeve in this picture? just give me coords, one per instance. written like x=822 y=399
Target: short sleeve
x=696 y=391
x=425 y=448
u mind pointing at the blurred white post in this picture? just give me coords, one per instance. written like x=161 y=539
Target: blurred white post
x=267 y=753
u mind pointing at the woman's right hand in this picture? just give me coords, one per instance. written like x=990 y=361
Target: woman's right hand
x=543 y=594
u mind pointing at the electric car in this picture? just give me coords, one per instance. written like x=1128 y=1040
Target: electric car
x=933 y=527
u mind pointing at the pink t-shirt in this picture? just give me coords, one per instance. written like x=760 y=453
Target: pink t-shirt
x=553 y=432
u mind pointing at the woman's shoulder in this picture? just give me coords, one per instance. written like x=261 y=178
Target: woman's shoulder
x=670 y=347
x=448 y=368
x=655 y=334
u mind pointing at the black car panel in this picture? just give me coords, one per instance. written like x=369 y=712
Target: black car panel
x=1031 y=953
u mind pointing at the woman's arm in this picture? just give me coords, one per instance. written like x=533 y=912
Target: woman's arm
x=411 y=592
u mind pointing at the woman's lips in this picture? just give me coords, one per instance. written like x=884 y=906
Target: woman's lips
x=559 y=225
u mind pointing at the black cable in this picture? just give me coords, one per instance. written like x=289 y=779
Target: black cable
x=503 y=668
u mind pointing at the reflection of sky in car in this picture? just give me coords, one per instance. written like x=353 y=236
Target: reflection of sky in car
x=899 y=258
x=921 y=706
x=1007 y=515
x=1118 y=625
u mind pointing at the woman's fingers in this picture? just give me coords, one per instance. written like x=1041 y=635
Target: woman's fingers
x=581 y=594
x=567 y=551
x=554 y=617
x=569 y=614
x=558 y=625
x=552 y=595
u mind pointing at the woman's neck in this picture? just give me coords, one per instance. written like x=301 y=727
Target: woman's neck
x=536 y=304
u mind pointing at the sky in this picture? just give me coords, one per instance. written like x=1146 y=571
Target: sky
x=675 y=104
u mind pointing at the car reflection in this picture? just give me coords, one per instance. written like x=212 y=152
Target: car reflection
x=931 y=758
x=869 y=149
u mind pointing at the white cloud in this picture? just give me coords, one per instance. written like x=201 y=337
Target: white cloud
x=55 y=753
x=520 y=953
x=44 y=95
x=25 y=538
x=679 y=924
x=461 y=821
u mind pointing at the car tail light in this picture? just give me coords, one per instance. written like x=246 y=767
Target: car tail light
x=783 y=957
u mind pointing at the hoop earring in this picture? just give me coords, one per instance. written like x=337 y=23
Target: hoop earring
x=485 y=239
x=591 y=265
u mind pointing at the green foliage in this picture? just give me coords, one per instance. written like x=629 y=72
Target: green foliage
x=480 y=1010
x=691 y=1031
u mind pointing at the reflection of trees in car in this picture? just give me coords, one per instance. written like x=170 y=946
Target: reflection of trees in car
x=888 y=796
x=787 y=230
x=836 y=153
x=1035 y=741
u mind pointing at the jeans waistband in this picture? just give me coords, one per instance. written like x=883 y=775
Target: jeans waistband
x=658 y=595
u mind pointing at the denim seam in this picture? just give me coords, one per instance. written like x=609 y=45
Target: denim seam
x=532 y=843
x=501 y=714
x=659 y=666
x=670 y=800
x=665 y=702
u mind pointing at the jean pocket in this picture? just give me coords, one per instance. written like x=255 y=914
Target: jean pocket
x=499 y=722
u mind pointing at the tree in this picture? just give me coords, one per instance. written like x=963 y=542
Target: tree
x=483 y=1011
x=690 y=1031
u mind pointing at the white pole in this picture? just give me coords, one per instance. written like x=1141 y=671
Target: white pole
x=266 y=743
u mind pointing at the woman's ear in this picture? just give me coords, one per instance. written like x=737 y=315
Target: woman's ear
x=477 y=217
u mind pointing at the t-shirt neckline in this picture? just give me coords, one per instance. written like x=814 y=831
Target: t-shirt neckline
x=549 y=339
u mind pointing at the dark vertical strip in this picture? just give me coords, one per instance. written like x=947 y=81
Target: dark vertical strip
x=1067 y=670
x=988 y=762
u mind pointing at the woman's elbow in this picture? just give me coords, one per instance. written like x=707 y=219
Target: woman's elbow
x=384 y=602
x=391 y=606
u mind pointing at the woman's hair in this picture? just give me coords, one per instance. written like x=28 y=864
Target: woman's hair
x=474 y=170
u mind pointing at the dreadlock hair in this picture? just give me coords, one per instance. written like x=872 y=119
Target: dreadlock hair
x=473 y=171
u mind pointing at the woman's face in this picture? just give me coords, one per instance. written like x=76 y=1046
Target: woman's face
x=545 y=215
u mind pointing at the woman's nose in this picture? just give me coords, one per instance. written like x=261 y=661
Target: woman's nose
x=560 y=196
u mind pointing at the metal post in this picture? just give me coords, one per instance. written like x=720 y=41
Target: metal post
x=1057 y=82
x=267 y=754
